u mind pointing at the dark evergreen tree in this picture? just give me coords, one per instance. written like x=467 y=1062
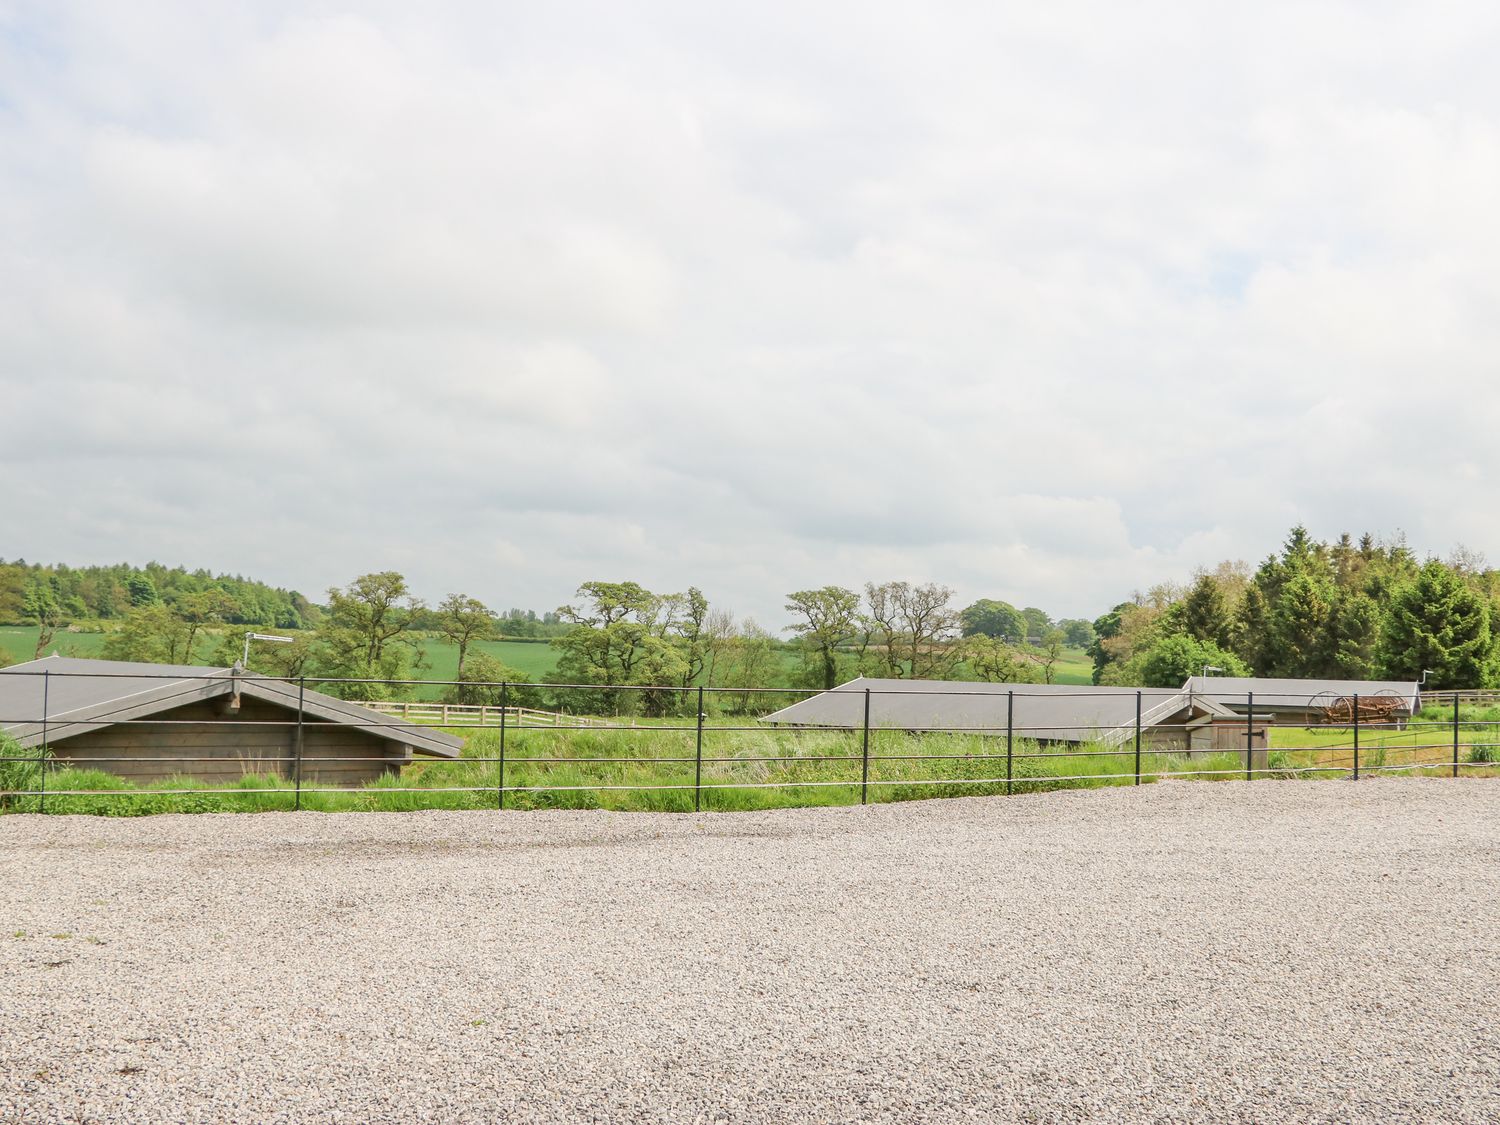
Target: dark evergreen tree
x=1249 y=640
x=1436 y=623
x=1301 y=628
x=1205 y=613
x=1105 y=627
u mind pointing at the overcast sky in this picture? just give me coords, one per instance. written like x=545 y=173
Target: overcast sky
x=1046 y=302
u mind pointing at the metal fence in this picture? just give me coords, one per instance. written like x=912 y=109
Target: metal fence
x=85 y=741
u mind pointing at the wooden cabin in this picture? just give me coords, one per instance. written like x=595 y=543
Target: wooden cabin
x=1173 y=721
x=148 y=722
x=1293 y=702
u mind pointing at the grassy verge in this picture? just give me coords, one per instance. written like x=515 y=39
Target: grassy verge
x=1425 y=741
x=653 y=769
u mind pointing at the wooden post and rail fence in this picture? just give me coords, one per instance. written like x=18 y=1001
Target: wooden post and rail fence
x=482 y=715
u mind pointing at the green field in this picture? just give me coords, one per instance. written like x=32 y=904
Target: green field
x=1427 y=740
x=1075 y=667
x=537 y=660
x=19 y=643
x=533 y=659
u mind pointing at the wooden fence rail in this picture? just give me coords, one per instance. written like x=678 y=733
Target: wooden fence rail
x=477 y=715
x=1474 y=697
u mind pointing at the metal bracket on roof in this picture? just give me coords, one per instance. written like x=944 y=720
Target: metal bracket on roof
x=232 y=705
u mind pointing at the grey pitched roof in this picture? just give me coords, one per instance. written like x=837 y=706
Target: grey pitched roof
x=1057 y=712
x=77 y=695
x=1274 y=694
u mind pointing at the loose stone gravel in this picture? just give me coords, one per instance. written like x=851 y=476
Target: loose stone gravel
x=1178 y=952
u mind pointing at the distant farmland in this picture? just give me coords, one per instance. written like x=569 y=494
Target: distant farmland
x=535 y=659
x=19 y=642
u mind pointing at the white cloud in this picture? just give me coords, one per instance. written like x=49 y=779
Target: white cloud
x=1048 y=303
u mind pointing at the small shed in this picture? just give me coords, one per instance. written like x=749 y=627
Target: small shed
x=147 y=722
x=1171 y=720
x=1308 y=702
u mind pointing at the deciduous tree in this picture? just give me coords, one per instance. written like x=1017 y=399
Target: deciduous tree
x=464 y=620
x=1171 y=660
x=1048 y=653
x=1077 y=632
x=1037 y=622
x=369 y=634
x=152 y=634
x=718 y=634
x=830 y=618
x=488 y=682
x=994 y=619
x=749 y=662
x=996 y=661
x=623 y=635
x=911 y=629
x=40 y=604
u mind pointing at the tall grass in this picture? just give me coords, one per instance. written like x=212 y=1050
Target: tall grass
x=654 y=769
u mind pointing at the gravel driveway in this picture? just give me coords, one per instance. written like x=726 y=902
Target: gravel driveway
x=1178 y=952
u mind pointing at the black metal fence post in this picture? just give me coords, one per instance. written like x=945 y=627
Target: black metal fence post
x=698 y=764
x=297 y=763
x=1455 y=734
x=500 y=785
x=42 y=771
x=1137 y=738
x=864 y=774
x=1010 y=732
x=1249 y=733
x=1356 y=736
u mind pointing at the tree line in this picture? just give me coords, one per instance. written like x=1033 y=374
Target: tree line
x=900 y=629
x=644 y=651
x=33 y=593
x=1349 y=609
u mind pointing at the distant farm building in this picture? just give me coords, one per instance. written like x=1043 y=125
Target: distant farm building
x=1309 y=702
x=145 y=722
x=1171 y=720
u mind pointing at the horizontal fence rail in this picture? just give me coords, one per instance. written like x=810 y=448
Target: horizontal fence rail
x=127 y=741
x=481 y=715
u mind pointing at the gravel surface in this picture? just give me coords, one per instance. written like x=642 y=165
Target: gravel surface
x=1180 y=952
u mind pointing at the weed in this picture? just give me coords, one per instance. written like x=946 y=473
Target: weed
x=655 y=768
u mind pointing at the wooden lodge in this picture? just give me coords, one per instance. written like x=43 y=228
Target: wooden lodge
x=148 y=722
x=1169 y=720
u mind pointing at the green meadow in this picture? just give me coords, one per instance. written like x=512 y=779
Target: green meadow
x=19 y=643
x=535 y=659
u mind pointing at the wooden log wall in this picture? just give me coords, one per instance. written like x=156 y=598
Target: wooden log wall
x=260 y=738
